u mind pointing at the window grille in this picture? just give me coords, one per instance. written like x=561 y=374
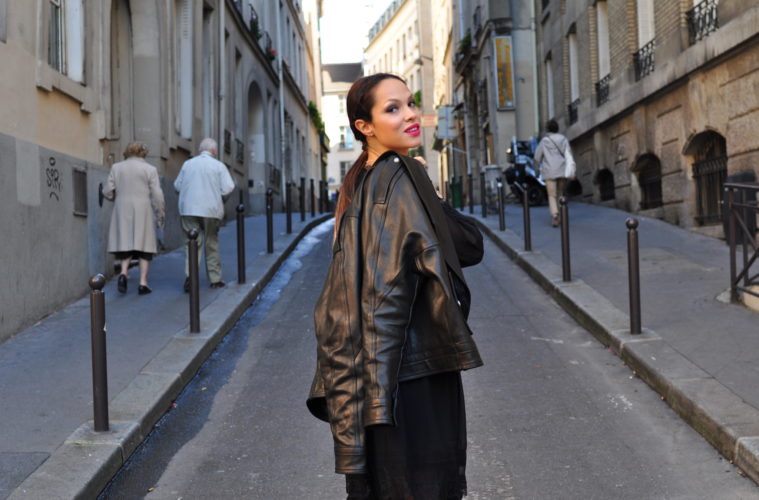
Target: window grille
x=649 y=179
x=55 y=36
x=602 y=90
x=79 y=182
x=702 y=20
x=644 y=60
x=572 y=109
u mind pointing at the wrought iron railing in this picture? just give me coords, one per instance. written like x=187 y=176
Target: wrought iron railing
x=602 y=90
x=238 y=5
x=477 y=20
x=742 y=211
x=267 y=46
x=644 y=60
x=709 y=176
x=253 y=25
x=702 y=20
x=545 y=4
x=572 y=109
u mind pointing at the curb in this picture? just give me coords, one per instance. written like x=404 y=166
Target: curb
x=87 y=460
x=726 y=421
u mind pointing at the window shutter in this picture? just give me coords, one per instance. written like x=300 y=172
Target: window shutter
x=74 y=22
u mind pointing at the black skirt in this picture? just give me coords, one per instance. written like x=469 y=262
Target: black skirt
x=422 y=457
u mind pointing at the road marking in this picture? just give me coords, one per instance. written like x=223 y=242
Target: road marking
x=552 y=341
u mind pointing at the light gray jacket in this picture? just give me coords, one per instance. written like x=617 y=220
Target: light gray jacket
x=201 y=183
x=552 y=154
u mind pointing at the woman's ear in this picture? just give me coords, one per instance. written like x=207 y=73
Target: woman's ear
x=364 y=127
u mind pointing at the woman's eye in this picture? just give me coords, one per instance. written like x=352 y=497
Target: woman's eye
x=412 y=104
x=390 y=109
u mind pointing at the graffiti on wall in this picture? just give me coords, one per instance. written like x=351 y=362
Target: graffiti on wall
x=53 y=180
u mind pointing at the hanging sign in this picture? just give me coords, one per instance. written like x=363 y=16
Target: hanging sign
x=504 y=70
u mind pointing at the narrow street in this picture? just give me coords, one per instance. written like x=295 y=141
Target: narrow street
x=552 y=414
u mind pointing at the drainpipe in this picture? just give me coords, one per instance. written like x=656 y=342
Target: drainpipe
x=222 y=80
x=534 y=44
x=281 y=74
x=467 y=134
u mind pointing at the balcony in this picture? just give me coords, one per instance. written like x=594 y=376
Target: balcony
x=572 y=110
x=253 y=26
x=227 y=142
x=702 y=20
x=240 y=151
x=644 y=60
x=267 y=46
x=602 y=90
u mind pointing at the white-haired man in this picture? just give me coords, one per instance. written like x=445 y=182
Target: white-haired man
x=202 y=184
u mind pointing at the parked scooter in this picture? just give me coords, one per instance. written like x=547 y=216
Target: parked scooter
x=523 y=176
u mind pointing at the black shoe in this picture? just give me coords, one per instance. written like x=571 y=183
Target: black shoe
x=218 y=284
x=143 y=290
x=186 y=285
x=122 y=283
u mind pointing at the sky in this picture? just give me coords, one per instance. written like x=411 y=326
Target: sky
x=344 y=26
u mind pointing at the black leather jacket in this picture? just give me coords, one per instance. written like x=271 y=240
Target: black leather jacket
x=393 y=307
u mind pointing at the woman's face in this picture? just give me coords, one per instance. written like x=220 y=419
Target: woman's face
x=395 y=119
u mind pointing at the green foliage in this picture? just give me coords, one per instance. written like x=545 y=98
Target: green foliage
x=465 y=43
x=316 y=117
x=416 y=152
x=418 y=98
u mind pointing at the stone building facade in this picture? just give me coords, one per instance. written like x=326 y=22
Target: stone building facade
x=89 y=76
x=658 y=99
x=495 y=84
x=400 y=42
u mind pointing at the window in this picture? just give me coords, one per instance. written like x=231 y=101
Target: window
x=2 y=20
x=341 y=103
x=66 y=38
x=602 y=22
x=605 y=181
x=183 y=61
x=645 y=22
x=79 y=181
x=649 y=179
x=574 y=76
x=404 y=46
x=346 y=138
x=549 y=87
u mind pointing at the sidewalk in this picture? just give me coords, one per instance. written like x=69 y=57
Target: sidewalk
x=699 y=353
x=47 y=446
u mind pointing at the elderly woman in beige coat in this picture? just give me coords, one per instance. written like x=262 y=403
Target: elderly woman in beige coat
x=133 y=185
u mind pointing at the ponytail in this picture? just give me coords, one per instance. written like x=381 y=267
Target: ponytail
x=349 y=188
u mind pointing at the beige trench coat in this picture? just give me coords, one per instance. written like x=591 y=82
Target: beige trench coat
x=133 y=185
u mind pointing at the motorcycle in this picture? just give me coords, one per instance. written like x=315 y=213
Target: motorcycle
x=523 y=176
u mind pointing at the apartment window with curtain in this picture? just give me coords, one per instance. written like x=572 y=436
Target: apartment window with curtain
x=549 y=87
x=604 y=60
x=574 y=75
x=66 y=38
x=645 y=13
x=183 y=60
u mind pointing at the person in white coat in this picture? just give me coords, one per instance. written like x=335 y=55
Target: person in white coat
x=202 y=184
x=554 y=155
x=133 y=186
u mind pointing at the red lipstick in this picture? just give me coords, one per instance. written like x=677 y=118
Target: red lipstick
x=413 y=130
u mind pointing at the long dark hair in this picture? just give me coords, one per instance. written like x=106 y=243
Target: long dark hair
x=360 y=102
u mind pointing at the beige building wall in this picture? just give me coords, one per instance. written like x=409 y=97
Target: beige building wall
x=693 y=103
x=167 y=73
x=400 y=42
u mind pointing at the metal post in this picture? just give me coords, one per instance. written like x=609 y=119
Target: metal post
x=302 y=198
x=461 y=192
x=527 y=229
x=566 y=271
x=470 y=192
x=321 y=196
x=99 y=360
x=633 y=268
x=269 y=221
x=731 y=237
x=483 y=196
x=240 y=242
x=313 y=201
x=448 y=191
x=289 y=207
x=192 y=252
x=501 y=215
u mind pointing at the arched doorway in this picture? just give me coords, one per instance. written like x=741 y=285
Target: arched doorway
x=256 y=146
x=648 y=169
x=709 y=151
x=605 y=181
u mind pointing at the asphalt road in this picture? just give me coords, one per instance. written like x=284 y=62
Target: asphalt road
x=551 y=415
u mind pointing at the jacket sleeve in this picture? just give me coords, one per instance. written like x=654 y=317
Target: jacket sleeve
x=109 y=191
x=156 y=197
x=399 y=236
x=539 y=153
x=467 y=238
x=178 y=181
x=226 y=182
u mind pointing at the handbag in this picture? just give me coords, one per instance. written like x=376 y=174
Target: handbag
x=570 y=167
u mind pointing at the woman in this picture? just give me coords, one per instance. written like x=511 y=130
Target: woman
x=133 y=183
x=390 y=322
x=554 y=156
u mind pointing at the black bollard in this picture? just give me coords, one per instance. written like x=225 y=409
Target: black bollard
x=527 y=229
x=461 y=192
x=313 y=201
x=240 y=242
x=470 y=192
x=566 y=271
x=99 y=360
x=302 y=199
x=483 y=196
x=192 y=249
x=269 y=221
x=501 y=208
x=289 y=206
x=448 y=191
x=633 y=266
